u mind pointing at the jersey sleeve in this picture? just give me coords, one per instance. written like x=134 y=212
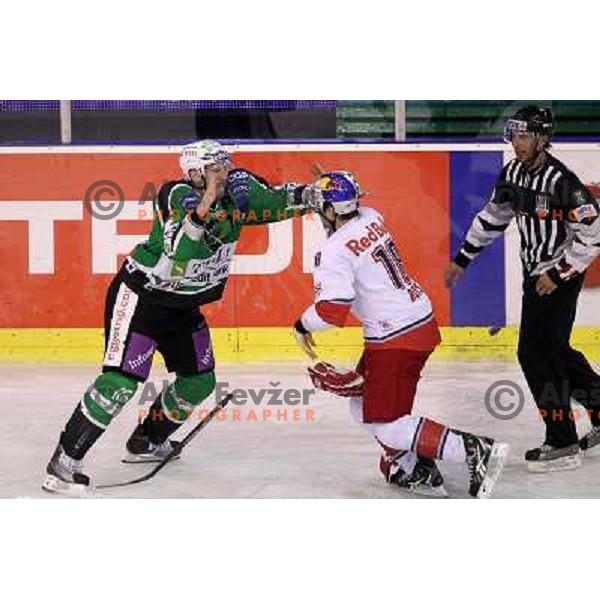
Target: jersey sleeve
x=259 y=202
x=334 y=280
x=182 y=231
x=490 y=222
x=583 y=223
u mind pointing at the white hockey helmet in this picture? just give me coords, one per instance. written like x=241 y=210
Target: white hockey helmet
x=339 y=189
x=200 y=155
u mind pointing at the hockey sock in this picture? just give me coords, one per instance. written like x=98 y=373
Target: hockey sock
x=407 y=462
x=79 y=435
x=174 y=406
x=404 y=459
x=417 y=435
x=421 y=436
x=454 y=449
x=103 y=401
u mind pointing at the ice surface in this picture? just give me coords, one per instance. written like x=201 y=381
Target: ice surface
x=329 y=457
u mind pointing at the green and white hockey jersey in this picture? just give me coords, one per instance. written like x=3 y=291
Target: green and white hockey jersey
x=187 y=259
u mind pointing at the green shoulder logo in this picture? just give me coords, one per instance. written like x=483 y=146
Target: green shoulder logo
x=178 y=268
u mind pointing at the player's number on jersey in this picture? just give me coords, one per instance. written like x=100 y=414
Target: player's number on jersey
x=387 y=255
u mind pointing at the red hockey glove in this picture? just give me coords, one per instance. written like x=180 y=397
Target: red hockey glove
x=337 y=381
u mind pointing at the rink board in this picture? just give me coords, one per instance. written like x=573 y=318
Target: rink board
x=266 y=344
x=58 y=260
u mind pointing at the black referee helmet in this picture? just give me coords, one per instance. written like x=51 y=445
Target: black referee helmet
x=530 y=119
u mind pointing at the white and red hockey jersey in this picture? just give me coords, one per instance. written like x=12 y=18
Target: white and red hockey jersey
x=358 y=269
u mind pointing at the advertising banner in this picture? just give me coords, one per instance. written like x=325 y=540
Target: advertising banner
x=58 y=258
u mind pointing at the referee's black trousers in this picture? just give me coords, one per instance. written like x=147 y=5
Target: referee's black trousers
x=555 y=372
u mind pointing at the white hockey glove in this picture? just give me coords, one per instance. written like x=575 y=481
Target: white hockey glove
x=312 y=198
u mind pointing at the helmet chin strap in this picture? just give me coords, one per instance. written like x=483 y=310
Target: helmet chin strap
x=202 y=185
x=328 y=224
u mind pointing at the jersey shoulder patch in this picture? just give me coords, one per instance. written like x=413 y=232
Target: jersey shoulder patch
x=585 y=212
x=239 y=182
x=238 y=175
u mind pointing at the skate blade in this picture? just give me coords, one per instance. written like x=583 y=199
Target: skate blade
x=136 y=459
x=564 y=463
x=429 y=491
x=593 y=450
x=55 y=485
x=495 y=465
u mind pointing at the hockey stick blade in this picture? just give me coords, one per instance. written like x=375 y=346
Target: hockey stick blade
x=176 y=451
x=316 y=170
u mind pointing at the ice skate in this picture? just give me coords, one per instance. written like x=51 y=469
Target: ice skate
x=590 y=439
x=485 y=459
x=425 y=480
x=141 y=450
x=548 y=458
x=65 y=475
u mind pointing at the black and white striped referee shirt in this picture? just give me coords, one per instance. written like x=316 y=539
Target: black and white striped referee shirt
x=557 y=216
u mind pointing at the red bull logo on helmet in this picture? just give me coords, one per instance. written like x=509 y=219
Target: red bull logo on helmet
x=337 y=187
x=328 y=184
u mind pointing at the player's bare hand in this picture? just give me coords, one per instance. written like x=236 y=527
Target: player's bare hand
x=306 y=342
x=544 y=285
x=453 y=274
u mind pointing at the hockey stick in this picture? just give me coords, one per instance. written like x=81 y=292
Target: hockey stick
x=176 y=451
x=317 y=170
